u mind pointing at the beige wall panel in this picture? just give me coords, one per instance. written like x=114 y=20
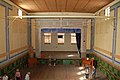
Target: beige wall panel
x=88 y=34
x=2 y=32
x=13 y=12
x=2 y=12
x=104 y=35
x=18 y=33
x=118 y=36
x=102 y=13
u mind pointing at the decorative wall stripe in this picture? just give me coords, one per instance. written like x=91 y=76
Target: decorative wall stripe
x=103 y=55
x=104 y=51
x=117 y=56
x=12 y=61
x=3 y=55
x=14 y=56
x=17 y=50
x=19 y=53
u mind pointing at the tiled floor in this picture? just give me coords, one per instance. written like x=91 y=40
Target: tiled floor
x=60 y=72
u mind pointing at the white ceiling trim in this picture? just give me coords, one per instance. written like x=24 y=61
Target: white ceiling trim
x=61 y=16
x=62 y=13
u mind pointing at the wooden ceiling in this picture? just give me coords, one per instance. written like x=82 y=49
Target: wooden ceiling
x=82 y=6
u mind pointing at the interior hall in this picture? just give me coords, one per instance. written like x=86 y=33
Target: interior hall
x=59 y=40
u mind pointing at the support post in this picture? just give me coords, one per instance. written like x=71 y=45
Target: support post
x=114 y=34
x=29 y=32
x=7 y=32
x=92 y=34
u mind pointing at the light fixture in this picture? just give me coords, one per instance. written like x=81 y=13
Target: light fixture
x=77 y=17
x=79 y=73
x=80 y=68
x=83 y=72
x=20 y=13
x=107 y=12
x=70 y=55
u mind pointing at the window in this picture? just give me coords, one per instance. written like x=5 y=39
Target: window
x=20 y=13
x=107 y=11
x=73 y=38
x=47 y=38
x=60 y=38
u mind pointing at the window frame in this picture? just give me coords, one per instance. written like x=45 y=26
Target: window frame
x=74 y=43
x=63 y=34
x=47 y=36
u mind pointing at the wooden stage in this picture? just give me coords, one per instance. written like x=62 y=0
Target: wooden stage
x=60 y=55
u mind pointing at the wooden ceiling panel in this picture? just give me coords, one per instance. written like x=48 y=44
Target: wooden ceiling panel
x=51 y=4
x=61 y=4
x=42 y=5
x=94 y=6
x=82 y=6
x=90 y=4
x=32 y=4
x=100 y=5
x=70 y=5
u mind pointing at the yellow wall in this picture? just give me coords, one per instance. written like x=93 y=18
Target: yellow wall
x=104 y=35
x=117 y=55
x=88 y=34
x=33 y=33
x=18 y=33
x=2 y=33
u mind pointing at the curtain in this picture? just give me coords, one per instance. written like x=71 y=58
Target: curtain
x=78 y=40
x=61 y=30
